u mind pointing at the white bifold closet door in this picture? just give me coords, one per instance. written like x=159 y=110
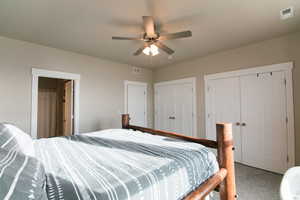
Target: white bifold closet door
x=263 y=116
x=224 y=107
x=174 y=108
x=256 y=106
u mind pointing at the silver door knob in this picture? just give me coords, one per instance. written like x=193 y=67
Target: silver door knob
x=171 y=117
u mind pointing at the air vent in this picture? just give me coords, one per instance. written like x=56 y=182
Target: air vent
x=136 y=70
x=286 y=13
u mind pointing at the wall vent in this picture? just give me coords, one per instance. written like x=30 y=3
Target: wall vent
x=287 y=13
x=136 y=70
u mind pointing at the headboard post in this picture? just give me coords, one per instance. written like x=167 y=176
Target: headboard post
x=226 y=160
x=125 y=121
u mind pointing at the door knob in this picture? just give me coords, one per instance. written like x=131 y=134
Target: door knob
x=238 y=123
x=244 y=124
x=171 y=117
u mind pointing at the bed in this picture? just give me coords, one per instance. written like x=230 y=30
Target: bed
x=131 y=163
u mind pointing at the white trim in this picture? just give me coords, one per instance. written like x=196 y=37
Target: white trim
x=287 y=68
x=253 y=70
x=191 y=80
x=36 y=73
x=54 y=74
x=290 y=115
x=126 y=83
x=185 y=80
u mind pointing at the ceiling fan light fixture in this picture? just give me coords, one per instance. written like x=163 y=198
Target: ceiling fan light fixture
x=152 y=50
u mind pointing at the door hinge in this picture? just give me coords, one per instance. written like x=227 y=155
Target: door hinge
x=287 y=158
x=208 y=88
x=208 y=115
x=286 y=119
x=285 y=82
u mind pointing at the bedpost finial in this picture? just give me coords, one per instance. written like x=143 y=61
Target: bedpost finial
x=125 y=121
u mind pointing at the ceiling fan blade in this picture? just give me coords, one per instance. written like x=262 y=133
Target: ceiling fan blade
x=164 y=48
x=125 y=38
x=139 y=51
x=172 y=36
x=149 y=26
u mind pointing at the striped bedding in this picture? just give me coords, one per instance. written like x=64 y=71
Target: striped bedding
x=22 y=177
x=119 y=164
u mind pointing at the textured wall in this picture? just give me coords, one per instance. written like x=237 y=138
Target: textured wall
x=101 y=89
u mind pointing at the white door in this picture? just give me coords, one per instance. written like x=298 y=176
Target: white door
x=223 y=105
x=264 y=131
x=136 y=102
x=183 y=109
x=164 y=107
x=174 y=107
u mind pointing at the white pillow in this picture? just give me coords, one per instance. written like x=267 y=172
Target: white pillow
x=13 y=138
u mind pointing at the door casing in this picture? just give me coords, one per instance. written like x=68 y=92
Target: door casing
x=36 y=73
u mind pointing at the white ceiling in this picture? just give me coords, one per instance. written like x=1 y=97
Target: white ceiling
x=87 y=26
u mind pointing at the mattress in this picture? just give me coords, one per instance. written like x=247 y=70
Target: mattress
x=118 y=164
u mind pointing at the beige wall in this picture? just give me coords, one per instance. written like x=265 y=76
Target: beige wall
x=101 y=89
x=278 y=50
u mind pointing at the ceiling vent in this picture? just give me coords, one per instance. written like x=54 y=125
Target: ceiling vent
x=286 y=13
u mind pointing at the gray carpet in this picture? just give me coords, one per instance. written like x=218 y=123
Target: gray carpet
x=255 y=184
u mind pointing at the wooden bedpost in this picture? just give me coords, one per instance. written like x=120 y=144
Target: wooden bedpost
x=125 y=121
x=226 y=160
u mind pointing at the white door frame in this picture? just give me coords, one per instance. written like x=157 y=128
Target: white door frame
x=36 y=73
x=126 y=83
x=285 y=67
x=191 y=80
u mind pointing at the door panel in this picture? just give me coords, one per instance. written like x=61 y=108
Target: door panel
x=183 y=114
x=252 y=109
x=68 y=108
x=264 y=112
x=136 y=104
x=223 y=103
x=164 y=107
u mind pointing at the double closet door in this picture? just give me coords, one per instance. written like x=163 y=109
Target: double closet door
x=256 y=106
x=174 y=107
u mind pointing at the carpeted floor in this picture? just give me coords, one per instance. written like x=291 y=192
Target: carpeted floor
x=255 y=184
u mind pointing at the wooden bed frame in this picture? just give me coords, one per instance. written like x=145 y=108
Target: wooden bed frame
x=224 y=180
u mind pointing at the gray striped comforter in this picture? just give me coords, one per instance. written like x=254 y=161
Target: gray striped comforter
x=121 y=164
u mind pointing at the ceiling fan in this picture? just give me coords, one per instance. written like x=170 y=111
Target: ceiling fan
x=152 y=38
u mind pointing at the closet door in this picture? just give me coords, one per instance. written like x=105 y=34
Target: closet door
x=183 y=109
x=174 y=106
x=223 y=105
x=264 y=131
x=164 y=107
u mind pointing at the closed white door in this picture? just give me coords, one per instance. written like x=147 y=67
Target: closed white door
x=183 y=109
x=136 y=103
x=164 y=107
x=174 y=107
x=223 y=105
x=264 y=131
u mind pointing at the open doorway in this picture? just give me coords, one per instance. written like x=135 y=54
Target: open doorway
x=55 y=107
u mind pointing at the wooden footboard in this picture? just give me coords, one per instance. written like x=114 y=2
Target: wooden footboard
x=224 y=179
